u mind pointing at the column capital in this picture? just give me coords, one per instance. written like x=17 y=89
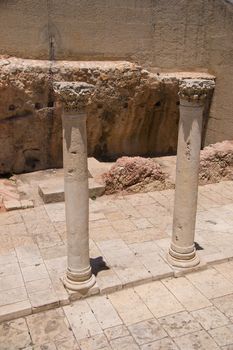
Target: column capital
x=195 y=90
x=74 y=96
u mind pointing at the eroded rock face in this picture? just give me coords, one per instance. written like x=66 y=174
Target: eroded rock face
x=216 y=163
x=132 y=112
x=135 y=174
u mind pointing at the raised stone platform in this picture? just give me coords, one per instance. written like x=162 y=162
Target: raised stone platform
x=53 y=191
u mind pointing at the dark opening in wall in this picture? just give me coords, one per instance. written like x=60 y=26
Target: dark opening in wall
x=11 y=107
x=38 y=105
x=51 y=104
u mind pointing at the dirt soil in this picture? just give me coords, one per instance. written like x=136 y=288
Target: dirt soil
x=216 y=163
x=138 y=174
x=135 y=174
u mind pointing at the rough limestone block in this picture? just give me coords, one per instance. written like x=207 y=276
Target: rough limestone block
x=27 y=203
x=12 y=204
x=96 y=189
x=15 y=310
x=52 y=192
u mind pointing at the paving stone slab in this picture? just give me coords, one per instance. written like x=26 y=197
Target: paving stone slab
x=158 y=299
x=179 y=324
x=43 y=300
x=223 y=335
x=66 y=344
x=82 y=320
x=211 y=283
x=97 y=342
x=12 y=296
x=129 y=306
x=11 y=281
x=225 y=304
x=104 y=312
x=125 y=343
x=198 y=340
x=49 y=326
x=14 y=335
x=210 y=317
x=15 y=310
x=162 y=344
x=116 y=332
x=147 y=331
x=186 y=293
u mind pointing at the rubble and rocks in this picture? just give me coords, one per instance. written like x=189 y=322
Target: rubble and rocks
x=138 y=174
x=135 y=174
x=216 y=163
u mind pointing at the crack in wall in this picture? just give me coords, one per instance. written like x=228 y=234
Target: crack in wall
x=50 y=104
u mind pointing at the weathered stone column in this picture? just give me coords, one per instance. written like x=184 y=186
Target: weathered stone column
x=72 y=98
x=192 y=95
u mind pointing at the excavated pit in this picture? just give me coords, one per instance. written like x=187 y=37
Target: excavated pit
x=133 y=112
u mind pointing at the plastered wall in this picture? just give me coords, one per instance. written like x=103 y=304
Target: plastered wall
x=167 y=34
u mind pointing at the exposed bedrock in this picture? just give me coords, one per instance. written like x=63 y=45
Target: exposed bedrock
x=132 y=112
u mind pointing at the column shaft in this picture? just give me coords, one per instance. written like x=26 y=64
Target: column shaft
x=187 y=168
x=72 y=98
x=192 y=94
x=76 y=195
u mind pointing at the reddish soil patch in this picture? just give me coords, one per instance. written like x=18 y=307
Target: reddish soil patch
x=216 y=163
x=135 y=174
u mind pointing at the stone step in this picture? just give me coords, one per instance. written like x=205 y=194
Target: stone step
x=53 y=191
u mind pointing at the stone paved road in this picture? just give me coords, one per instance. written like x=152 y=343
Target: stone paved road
x=131 y=234
x=187 y=313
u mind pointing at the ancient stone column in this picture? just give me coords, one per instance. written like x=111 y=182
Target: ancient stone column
x=73 y=98
x=192 y=95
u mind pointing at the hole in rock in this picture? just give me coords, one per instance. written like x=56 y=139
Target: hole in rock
x=50 y=104
x=32 y=162
x=11 y=107
x=38 y=105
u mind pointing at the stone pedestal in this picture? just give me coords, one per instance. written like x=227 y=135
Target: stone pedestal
x=192 y=95
x=73 y=97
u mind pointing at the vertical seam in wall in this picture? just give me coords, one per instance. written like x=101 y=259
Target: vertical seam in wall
x=50 y=113
x=50 y=38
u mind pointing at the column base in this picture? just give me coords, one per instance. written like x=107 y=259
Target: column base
x=183 y=262
x=81 y=286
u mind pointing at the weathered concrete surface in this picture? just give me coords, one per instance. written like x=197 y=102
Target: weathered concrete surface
x=188 y=35
x=133 y=111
